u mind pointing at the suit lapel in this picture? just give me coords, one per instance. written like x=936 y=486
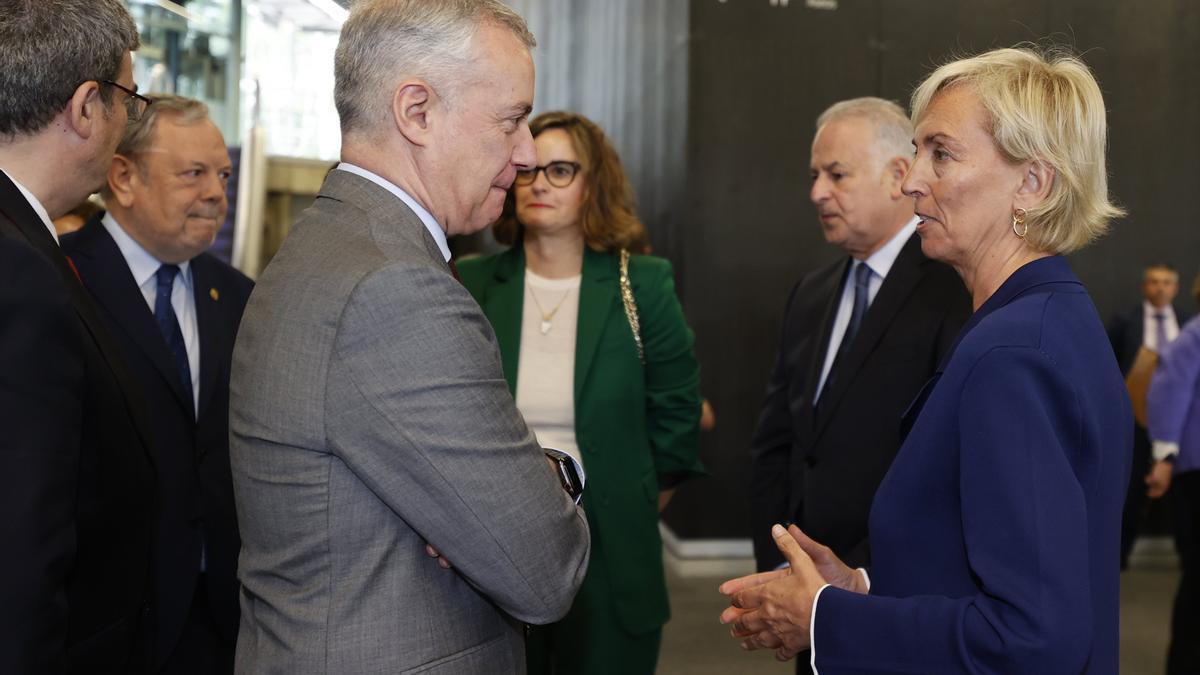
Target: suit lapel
x=833 y=291
x=597 y=298
x=207 y=294
x=896 y=287
x=111 y=283
x=505 y=303
x=25 y=220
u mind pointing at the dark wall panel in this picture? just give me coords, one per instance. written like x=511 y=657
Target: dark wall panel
x=759 y=76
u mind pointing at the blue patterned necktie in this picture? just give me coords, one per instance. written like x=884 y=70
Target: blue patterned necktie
x=168 y=325
x=1160 y=331
x=862 y=298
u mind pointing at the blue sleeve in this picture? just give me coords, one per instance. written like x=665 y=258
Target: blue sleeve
x=1025 y=526
x=1173 y=387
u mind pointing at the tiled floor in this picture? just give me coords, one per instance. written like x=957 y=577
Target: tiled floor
x=696 y=643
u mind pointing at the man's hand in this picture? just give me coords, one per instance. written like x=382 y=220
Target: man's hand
x=664 y=498
x=433 y=553
x=1159 y=479
x=772 y=610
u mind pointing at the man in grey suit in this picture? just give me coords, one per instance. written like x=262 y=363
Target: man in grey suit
x=369 y=414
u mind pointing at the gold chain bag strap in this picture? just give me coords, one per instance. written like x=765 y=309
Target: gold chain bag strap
x=631 y=311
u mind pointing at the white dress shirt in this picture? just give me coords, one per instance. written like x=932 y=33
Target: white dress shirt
x=431 y=224
x=37 y=206
x=144 y=267
x=880 y=263
x=1150 y=325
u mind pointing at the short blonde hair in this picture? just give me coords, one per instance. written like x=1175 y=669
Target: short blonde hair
x=1043 y=106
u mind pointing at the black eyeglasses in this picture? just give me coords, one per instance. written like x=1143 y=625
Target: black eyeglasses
x=559 y=174
x=135 y=103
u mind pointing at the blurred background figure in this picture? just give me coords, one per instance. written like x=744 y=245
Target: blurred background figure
x=1137 y=337
x=1173 y=418
x=75 y=218
x=606 y=375
x=174 y=310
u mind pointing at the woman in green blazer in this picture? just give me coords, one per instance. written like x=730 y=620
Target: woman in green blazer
x=624 y=400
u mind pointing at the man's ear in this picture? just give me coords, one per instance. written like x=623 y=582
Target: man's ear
x=1036 y=183
x=85 y=110
x=893 y=173
x=413 y=110
x=122 y=172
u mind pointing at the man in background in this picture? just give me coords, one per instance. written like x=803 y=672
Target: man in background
x=174 y=311
x=77 y=476
x=369 y=414
x=1151 y=325
x=860 y=338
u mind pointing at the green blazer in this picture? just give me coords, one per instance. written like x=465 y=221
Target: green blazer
x=633 y=423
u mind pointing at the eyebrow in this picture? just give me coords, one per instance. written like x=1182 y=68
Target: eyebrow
x=832 y=166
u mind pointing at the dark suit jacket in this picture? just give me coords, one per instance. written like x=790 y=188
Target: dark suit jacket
x=633 y=422
x=819 y=467
x=77 y=474
x=191 y=452
x=1126 y=332
x=994 y=535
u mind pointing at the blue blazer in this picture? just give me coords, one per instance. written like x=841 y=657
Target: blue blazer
x=995 y=534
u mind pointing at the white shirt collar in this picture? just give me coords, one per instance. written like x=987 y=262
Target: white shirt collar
x=37 y=206
x=439 y=234
x=141 y=263
x=881 y=261
x=1150 y=310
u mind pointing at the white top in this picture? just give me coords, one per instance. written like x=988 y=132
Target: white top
x=1150 y=325
x=37 y=206
x=546 y=364
x=880 y=263
x=144 y=267
x=438 y=232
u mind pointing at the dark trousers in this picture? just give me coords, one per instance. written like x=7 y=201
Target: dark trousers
x=1184 y=653
x=201 y=649
x=1135 y=498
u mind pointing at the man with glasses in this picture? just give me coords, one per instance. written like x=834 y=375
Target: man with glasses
x=76 y=476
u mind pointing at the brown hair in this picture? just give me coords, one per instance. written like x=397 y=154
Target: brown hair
x=608 y=215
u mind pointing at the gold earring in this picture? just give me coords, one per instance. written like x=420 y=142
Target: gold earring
x=1018 y=220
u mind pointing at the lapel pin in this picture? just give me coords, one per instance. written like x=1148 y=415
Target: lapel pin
x=212 y=293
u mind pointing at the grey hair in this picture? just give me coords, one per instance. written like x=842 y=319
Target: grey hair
x=386 y=41
x=50 y=47
x=182 y=110
x=139 y=135
x=893 y=129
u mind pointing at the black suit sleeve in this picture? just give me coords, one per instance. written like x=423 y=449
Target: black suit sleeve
x=770 y=455
x=41 y=402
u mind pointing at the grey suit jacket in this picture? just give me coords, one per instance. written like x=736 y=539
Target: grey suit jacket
x=369 y=415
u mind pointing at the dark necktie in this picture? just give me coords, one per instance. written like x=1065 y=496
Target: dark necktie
x=1160 y=331
x=168 y=325
x=862 y=298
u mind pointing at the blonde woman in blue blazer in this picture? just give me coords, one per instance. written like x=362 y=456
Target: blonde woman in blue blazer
x=606 y=376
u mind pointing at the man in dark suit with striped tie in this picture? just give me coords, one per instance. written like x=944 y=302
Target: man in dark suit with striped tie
x=76 y=475
x=174 y=311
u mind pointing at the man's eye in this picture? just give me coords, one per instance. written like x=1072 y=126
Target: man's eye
x=939 y=154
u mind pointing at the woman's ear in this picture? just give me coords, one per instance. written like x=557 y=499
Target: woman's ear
x=1036 y=183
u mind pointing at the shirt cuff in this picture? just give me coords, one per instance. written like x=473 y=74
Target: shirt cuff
x=1164 y=449
x=866 y=577
x=812 y=631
